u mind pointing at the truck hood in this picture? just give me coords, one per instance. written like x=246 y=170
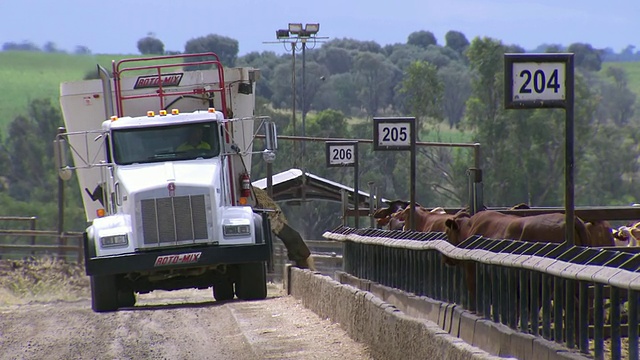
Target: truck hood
x=157 y=176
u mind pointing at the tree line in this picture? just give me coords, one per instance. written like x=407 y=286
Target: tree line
x=348 y=82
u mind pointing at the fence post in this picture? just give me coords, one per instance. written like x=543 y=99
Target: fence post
x=61 y=239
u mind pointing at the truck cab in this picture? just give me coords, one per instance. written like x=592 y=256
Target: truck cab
x=163 y=162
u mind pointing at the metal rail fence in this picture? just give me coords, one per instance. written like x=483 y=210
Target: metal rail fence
x=548 y=290
x=327 y=256
x=42 y=243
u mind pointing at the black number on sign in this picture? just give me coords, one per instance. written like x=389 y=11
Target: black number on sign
x=342 y=154
x=553 y=81
x=539 y=81
x=394 y=134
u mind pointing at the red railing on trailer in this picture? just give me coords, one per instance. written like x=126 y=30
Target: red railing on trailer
x=117 y=72
x=160 y=93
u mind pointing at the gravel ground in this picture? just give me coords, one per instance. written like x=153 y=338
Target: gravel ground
x=184 y=324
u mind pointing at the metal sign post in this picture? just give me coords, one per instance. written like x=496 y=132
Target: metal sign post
x=342 y=154
x=398 y=133
x=546 y=81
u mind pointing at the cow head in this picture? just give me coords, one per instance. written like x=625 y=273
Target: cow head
x=455 y=226
x=600 y=233
x=387 y=217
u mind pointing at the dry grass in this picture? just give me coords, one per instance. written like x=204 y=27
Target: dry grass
x=42 y=280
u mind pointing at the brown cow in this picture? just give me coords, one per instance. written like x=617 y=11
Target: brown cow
x=495 y=225
x=600 y=233
x=426 y=220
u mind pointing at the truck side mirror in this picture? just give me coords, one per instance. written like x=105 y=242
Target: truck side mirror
x=271 y=136
x=60 y=156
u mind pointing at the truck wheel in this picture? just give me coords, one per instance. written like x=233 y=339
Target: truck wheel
x=126 y=298
x=104 y=293
x=223 y=290
x=252 y=282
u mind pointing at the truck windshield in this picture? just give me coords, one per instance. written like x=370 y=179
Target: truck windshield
x=165 y=143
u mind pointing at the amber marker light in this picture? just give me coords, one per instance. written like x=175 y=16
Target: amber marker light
x=151 y=113
x=163 y=112
x=100 y=212
x=175 y=111
x=114 y=118
x=212 y=110
x=242 y=201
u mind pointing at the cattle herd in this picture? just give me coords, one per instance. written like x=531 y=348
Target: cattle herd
x=493 y=224
x=496 y=225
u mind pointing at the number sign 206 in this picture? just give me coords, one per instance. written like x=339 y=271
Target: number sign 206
x=341 y=153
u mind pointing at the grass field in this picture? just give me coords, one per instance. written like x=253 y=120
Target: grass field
x=633 y=71
x=35 y=75
x=32 y=75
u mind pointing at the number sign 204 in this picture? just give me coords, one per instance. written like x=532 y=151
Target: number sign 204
x=537 y=80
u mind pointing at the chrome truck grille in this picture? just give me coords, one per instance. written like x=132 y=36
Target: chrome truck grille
x=174 y=220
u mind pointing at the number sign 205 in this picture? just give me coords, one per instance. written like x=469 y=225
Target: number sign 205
x=392 y=133
x=340 y=153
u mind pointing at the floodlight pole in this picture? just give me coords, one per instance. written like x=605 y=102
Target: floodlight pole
x=304 y=89
x=293 y=106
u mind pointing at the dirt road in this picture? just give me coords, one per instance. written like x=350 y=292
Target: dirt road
x=185 y=324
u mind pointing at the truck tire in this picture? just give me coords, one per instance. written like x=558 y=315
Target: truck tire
x=252 y=281
x=126 y=298
x=104 y=293
x=223 y=290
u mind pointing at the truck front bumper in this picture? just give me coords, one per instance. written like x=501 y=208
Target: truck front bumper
x=179 y=258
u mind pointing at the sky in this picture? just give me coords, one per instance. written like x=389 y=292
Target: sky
x=114 y=27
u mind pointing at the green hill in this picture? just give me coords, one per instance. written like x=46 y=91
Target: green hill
x=633 y=71
x=33 y=75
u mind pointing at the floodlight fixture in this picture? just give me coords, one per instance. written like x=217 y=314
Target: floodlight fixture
x=295 y=28
x=282 y=34
x=312 y=29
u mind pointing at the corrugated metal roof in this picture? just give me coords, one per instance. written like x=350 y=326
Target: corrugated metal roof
x=297 y=177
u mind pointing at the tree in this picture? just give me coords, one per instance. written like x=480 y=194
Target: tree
x=586 y=57
x=618 y=101
x=24 y=46
x=456 y=41
x=402 y=55
x=314 y=73
x=373 y=76
x=440 y=56
x=352 y=44
x=82 y=50
x=337 y=60
x=456 y=81
x=266 y=62
x=30 y=145
x=150 y=45
x=51 y=47
x=424 y=91
x=337 y=93
x=225 y=47
x=422 y=39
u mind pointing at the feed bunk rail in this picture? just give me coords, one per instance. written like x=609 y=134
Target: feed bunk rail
x=513 y=280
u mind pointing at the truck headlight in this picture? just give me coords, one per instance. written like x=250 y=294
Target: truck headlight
x=115 y=240
x=236 y=230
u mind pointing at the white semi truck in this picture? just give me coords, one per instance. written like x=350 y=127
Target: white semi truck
x=163 y=214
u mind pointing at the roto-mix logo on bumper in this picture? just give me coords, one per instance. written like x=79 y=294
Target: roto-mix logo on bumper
x=177 y=259
x=151 y=81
